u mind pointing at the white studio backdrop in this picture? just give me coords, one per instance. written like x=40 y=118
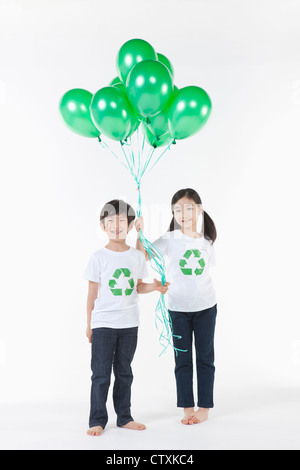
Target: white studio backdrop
x=244 y=164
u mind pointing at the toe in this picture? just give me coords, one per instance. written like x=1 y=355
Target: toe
x=139 y=426
x=95 y=431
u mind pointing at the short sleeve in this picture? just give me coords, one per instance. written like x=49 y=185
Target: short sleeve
x=162 y=244
x=92 y=270
x=143 y=271
x=212 y=257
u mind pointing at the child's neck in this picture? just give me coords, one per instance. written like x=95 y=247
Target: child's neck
x=117 y=245
x=192 y=232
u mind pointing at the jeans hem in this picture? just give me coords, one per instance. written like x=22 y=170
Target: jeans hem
x=205 y=405
x=186 y=406
x=124 y=424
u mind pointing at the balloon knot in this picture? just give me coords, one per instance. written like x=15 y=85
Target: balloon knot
x=99 y=139
x=174 y=142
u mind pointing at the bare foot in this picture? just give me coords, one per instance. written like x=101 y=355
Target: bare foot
x=95 y=431
x=188 y=417
x=201 y=415
x=135 y=426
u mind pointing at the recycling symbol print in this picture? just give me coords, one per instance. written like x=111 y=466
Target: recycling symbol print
x=119 y=276
x=190 y=265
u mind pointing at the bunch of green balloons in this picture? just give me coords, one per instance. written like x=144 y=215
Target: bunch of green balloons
x=143 y=94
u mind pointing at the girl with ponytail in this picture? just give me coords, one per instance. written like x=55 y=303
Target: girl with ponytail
x=191 y=298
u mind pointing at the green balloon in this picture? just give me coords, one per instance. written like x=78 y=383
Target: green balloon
x=149 y=87
x=156 y=141
x=159 y=124
x=134 y=126
x=131 y=53
x=164 y=60
x=188 y=112
x=112 y=113
x=74 y=108
x=120 y=86
x=115 y=81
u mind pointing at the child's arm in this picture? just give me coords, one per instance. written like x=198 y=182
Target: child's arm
x=139 y=224
x=92 y=296
x=145 y=288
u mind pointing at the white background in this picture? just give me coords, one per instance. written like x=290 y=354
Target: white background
x=244 y=164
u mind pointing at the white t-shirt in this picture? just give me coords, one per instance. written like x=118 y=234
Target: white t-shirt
x=187 y=269
x=117 y=274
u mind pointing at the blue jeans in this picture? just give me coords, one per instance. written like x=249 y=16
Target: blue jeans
x=202 y=325
x=112 y=349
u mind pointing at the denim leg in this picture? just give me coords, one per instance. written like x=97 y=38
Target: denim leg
x=125 y=349
x=204 y=330
x=182 y=326
x=103 y=347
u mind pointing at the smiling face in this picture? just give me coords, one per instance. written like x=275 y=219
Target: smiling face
x=186 y=213
x=116 y=226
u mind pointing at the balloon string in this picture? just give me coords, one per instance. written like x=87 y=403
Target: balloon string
x=137 y=168
x=161 y=310
x=150 y=154
x=131 y=152
x=158 y=264
x=167 y=148
x=106 y=147
x=130 y=166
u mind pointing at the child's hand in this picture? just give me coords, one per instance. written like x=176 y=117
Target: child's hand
x=139 y=224
x=89 y=333
x=158 y=286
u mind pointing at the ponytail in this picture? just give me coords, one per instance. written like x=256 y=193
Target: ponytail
x=210 y=231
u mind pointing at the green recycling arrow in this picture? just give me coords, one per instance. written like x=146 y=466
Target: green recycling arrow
x=113 y=282
x=183 y=263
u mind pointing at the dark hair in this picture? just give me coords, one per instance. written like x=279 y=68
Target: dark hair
x=210 y=232
x=117 y=206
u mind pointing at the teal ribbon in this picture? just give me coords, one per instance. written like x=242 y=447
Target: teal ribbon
x=137 y=165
